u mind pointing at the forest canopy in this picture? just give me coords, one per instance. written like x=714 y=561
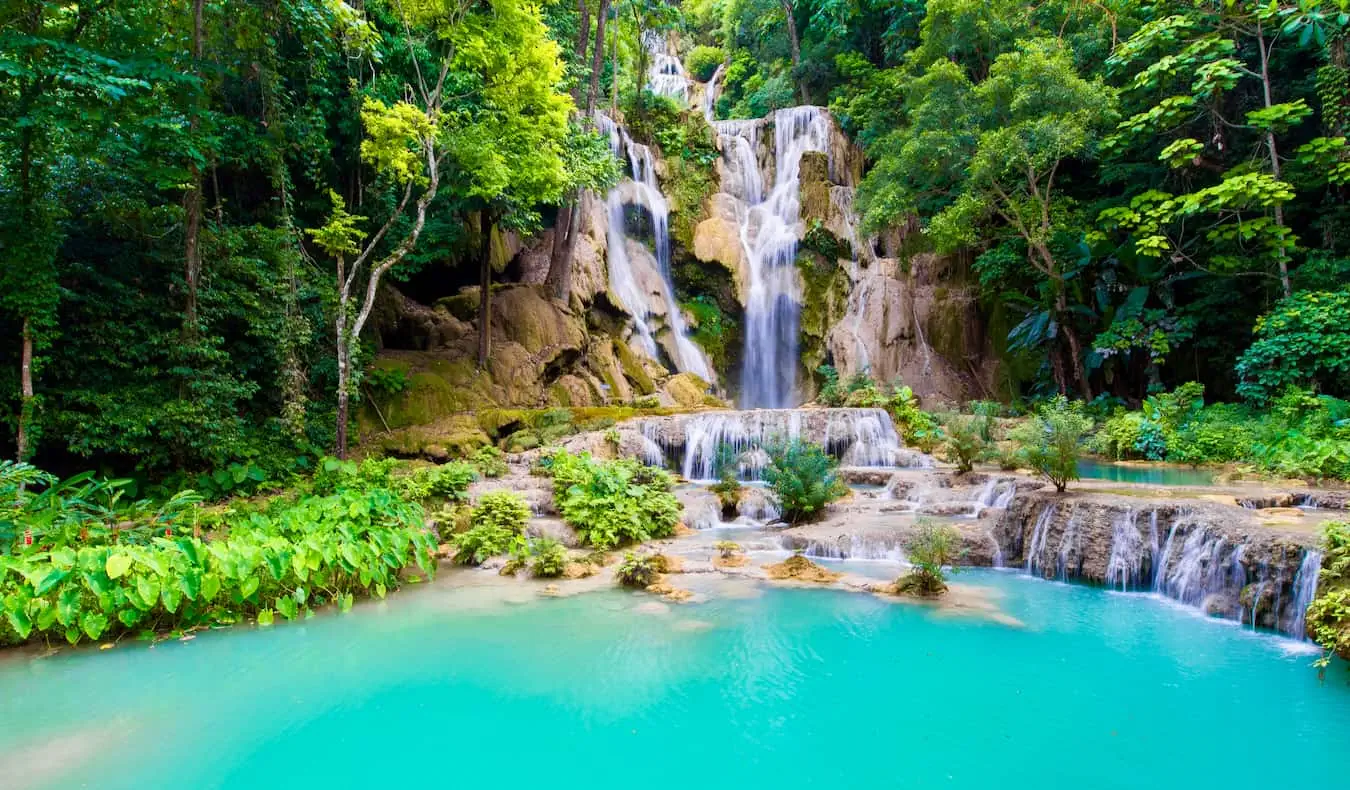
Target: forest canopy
x=1148 y=193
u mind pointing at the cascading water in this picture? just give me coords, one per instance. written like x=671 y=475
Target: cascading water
x=666 y=75
x=641 y=189
x=695 y=442
x=1039 y=534
x=769 y=235
x=1305 y=589
x=712 y=92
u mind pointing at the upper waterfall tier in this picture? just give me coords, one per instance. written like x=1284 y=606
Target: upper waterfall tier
x=769 y=233
x=666 y=75
x=693 y=442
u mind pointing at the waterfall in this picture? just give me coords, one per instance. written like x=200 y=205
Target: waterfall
x=769 y=236
x=1305 y=589
x=641 y=189
x=859 y=437
x=712 y=92
x=1126 y=564
x=997 y=494
x=666 y=75
x=1039 y=534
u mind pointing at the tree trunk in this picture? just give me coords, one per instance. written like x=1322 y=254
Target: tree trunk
x=344 y=357
x=1283 y=259
x=559 y=281
x=485 y=294
x=597 y=59
x=796 y=48
x=192 y=201
x=614 y=71
x=583 y=39
x=25 y=390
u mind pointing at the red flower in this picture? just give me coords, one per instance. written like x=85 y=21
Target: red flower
x=168 y=533
x=28 y=537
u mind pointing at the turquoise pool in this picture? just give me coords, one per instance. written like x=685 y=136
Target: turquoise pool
x=1159 y=474
x=787 y=688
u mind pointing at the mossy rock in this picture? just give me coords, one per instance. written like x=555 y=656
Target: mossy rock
x=824 y=302
x=453 y=436
x=687 y=390
x=815 y=186
x=633 y=369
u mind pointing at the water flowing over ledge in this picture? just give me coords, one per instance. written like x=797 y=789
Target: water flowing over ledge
x=1197 y=556
x=690 y=442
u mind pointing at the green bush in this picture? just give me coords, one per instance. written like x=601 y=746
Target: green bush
x=803 y=479
x=637 y=570
x=499 y=521
x=448 y=481
x=613 y=502
x=916 y=426
x=1328 y=617
x=1303 y=342
x=985 y=412
x=1051 y=440
x=490 y=461
x=934 y=547
x=831 y=393
x=548 y=558
x=963 y=444
x=702 y=62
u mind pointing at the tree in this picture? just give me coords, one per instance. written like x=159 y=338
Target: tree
x=1185 y=66
x=987 y=156
x=1050 y=441
x=510 y=127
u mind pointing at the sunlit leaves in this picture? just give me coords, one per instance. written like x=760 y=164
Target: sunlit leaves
x=397 y=138
x=1279 y=118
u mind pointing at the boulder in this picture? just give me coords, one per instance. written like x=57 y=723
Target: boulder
x=717 y=239
x=686 y=390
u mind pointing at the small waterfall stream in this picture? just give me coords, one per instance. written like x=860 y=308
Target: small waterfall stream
x=666 y=75
x=641 y=189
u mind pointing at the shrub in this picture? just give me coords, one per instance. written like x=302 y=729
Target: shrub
x=1050 y=441
x=703 y=61
x=548 y=558
x=934 y=547
x=916 y=426
x=1328 y=617
x=803 y=479
x=490 y=462
x=1304 y=341
x=728 y=485
x=986 y=411
x=1119 y=435
x=637 y=570
x=862 y=391
x=448 y=481
x=727 y=548
x=963 y=445
x=499 y=521
x=831 y=393
x=613 y=502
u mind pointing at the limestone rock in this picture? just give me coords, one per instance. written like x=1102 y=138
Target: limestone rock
x=687 y=390
x=717 y=239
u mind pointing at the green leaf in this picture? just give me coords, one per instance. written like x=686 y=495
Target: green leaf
x=54 y=577
x=63 y=558
x=248 y=586
x=265 y=618
x=301 y=595
x=118 y=565
x=171 y=596
x=93 y=624
x=210 y=586
x=148 y=591
x=191 y=584
x=287 y=607
x=18 y=620
x=129 y=617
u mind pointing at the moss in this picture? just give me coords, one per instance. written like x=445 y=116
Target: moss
x=818 y=239
x=687 y=390
x=824 y=301
x=814 y=190
x=708 y=293
x=688 y=186
x=633 y=369
x=800 y=568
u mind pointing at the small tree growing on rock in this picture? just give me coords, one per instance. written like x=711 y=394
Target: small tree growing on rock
x=935 y=547
x=1050 y=442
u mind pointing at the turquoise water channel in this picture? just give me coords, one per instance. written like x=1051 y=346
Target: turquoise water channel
x=767 y=688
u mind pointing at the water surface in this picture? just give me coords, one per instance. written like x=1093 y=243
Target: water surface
x=1150 y=474
x=783 y=688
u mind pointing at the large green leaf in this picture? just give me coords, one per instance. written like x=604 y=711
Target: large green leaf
x=19 y=621
x=118 y=565
x=93 y=624
x=191 y=584
x=54 y=577
x=248 y=586
x=210 y=586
